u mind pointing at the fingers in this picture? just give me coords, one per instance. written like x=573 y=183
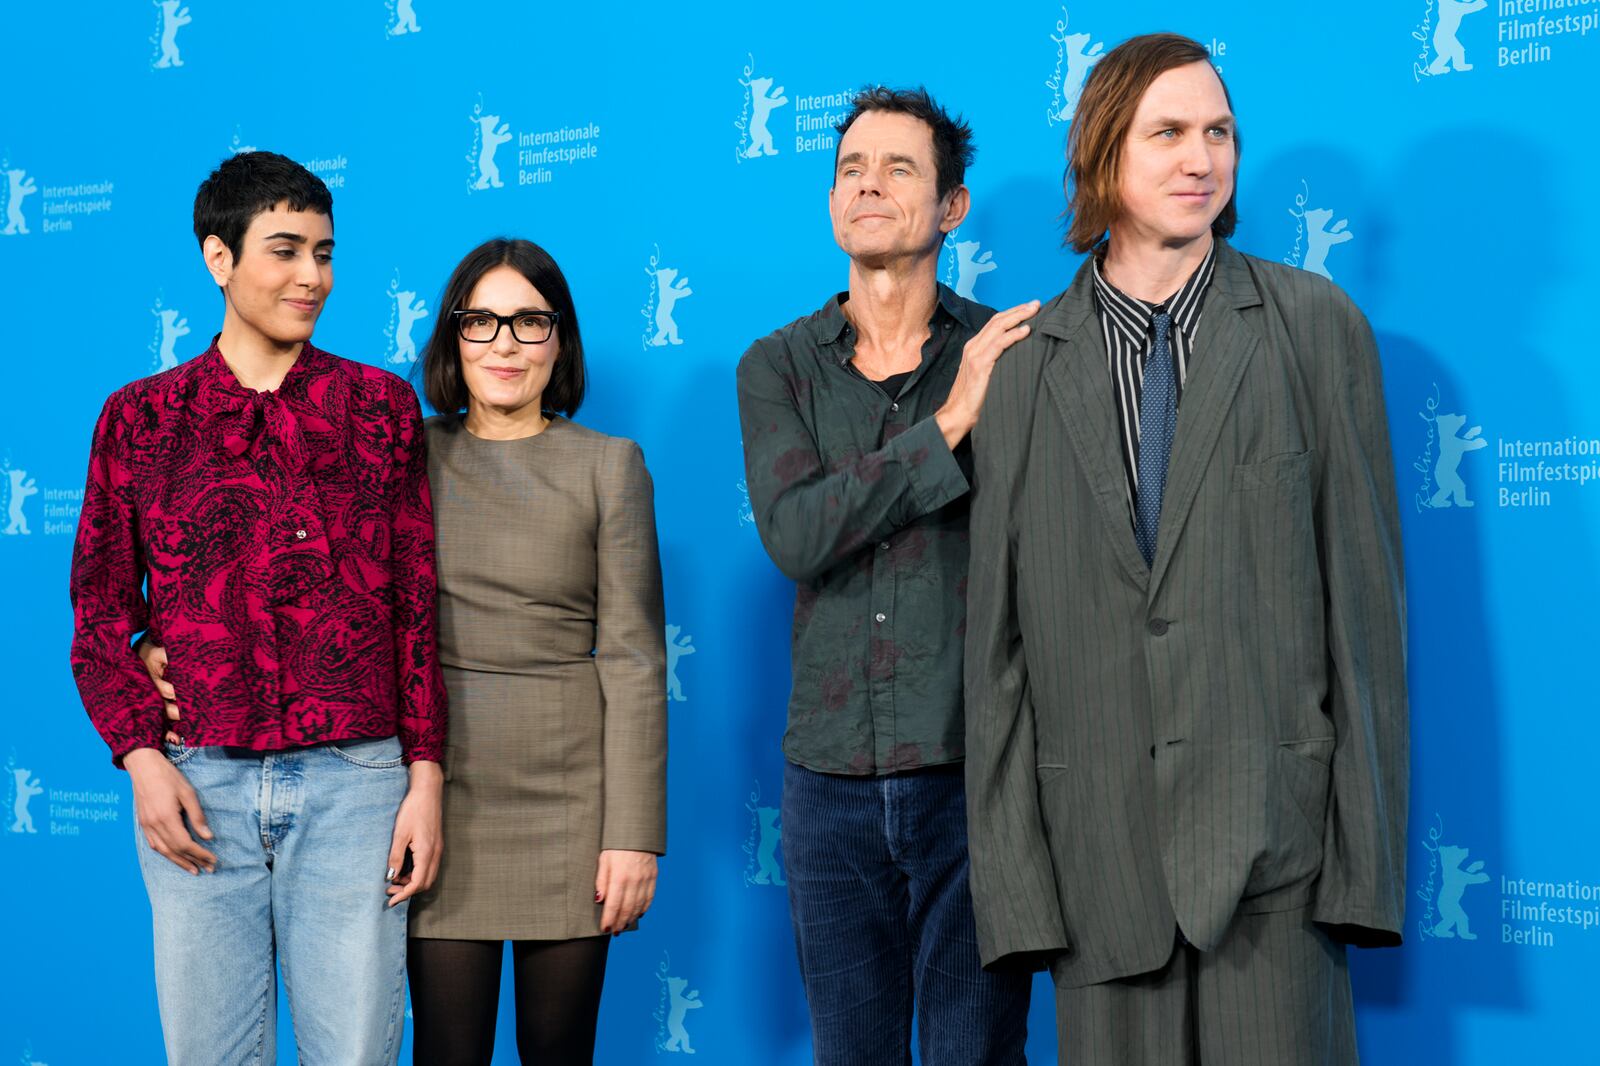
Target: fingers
x=424 y=870
x=1007 y=327
x=1010 y=337
x=627 y=895
x=190 y=802
x=154 y=657
x=611 y=896
x=431 y=866
x=999 y=333
x=189 y=850
x=160 y=842
x=627 y=907
x=1011 y=316
x=155 y=661
x=397 y=857
x=170 y=838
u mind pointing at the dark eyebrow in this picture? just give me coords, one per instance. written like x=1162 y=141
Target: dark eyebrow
x=514 y=314
x=894 y=158
x=853 y=157
x=297 y=238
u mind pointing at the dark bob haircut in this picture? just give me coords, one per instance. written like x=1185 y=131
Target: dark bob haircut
x=952 y=137
x=441 y=359
x=250 y=184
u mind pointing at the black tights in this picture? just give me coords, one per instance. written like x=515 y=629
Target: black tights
x=455 y=995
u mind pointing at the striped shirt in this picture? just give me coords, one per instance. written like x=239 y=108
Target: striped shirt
x=1129 y=335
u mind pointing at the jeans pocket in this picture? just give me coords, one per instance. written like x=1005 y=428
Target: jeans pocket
x=371 y=753
x=179 y=753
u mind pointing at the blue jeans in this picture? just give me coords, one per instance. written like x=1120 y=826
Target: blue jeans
x=883 y=919
x=302 y=843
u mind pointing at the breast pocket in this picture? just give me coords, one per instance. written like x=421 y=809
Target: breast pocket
x=1281 y=472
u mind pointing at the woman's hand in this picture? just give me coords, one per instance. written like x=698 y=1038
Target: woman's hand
x=419 y=829
x=154 y=657
x=626 y=884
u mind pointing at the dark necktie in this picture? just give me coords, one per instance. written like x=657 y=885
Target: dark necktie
x=1158 y=421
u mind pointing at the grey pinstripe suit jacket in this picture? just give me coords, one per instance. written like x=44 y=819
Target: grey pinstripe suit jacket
x=1225 y=729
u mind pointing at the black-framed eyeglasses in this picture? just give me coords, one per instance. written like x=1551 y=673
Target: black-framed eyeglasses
x=528 y=327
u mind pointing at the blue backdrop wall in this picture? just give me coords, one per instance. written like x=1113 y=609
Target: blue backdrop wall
x=1435 y=158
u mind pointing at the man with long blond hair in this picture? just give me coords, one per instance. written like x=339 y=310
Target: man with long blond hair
x=1185 y=663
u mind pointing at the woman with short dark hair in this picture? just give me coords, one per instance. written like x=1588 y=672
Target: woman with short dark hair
x=551 y=639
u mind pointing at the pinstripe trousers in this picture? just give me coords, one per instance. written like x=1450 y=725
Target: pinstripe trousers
x=1274 y=992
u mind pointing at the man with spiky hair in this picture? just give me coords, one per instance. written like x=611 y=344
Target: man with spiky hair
x=855 y=422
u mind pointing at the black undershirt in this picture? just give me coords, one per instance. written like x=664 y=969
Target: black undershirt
x=892 y=384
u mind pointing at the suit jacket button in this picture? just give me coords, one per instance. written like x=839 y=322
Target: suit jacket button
x=1158 y=627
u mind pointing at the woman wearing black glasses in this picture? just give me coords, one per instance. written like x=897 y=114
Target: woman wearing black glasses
x=551 y=639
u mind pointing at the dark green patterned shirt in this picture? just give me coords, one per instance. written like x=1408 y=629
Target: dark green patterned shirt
x=861 y=502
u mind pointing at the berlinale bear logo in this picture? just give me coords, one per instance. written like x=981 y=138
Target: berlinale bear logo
x=489 y=133
x=679 y=644
x=18 y=488
x=172 y=18
x=1453 y=444
x=761 y=98
x=171 y=326
x=966 y=264
x=677 y=1000
x=27 y=787
x=19 y=186
x=1452 y=919
x=405 y=310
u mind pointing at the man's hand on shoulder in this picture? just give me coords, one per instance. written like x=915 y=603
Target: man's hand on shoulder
x=960 y=410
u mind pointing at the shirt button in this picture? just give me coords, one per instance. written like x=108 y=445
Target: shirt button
x=894 y=407
x=880 y=616
x=299 y=534
x=1158 y=627
x=884 y=545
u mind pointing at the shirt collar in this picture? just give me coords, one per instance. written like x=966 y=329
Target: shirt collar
x=829 y=325
x=1131 y=316
x=216 y=375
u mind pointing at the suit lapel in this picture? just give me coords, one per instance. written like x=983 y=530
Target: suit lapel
x=1223 y=347
x=1079 y=382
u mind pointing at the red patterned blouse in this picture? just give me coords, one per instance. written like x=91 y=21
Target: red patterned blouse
x=287 y=541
